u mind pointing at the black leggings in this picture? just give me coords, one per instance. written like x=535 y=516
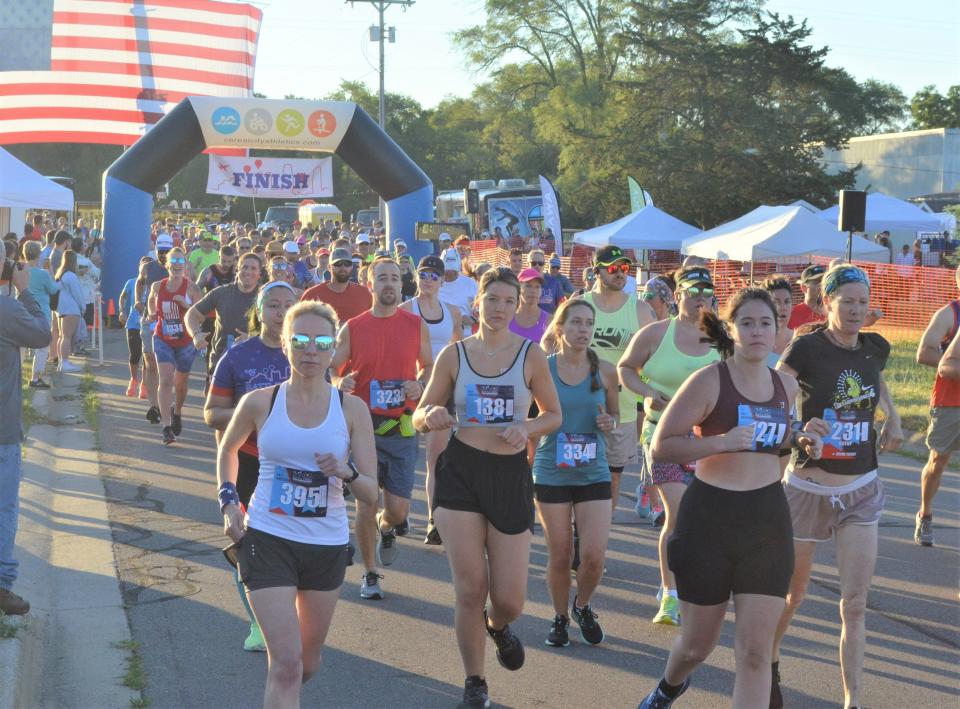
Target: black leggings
x=135 y=346
x=729 y=542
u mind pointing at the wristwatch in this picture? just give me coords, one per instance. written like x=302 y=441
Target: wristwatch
x=356 y=473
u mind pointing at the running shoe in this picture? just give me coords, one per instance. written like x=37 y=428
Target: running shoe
x=669 y=613
x=433 y=535
x=254 y=641
x=370 y=588
x=12 y=604
x=475 y=693
x=924 y=532
x=510 y=652
x=558 y=635
x=38 y=383
x=153 y=414
x=658 y=700
x=642 y=506
x=70 y=367
x=176 y=423
x=168 y=435
x=776 y=697
x=590 y=629
x=659 y=517
x=132 y=387
x=402 y=529
x=143 y=390
x=387 y=548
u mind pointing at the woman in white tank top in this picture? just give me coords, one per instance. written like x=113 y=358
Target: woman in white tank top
x=291 y=546
x=443 y=323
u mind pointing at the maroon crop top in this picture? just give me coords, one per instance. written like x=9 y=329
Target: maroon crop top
x=772 y=418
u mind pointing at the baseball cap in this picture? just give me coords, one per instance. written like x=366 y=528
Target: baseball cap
x=812 y=273
x=530 y=274
x=555 y=261
x=363 y=239
x=431 y=263
x=206 y=235
x=609 y=255
x=451 y=260
x=444 y=236
x=692 y=276
x=399 y=242
x=339 y=255
x=290 y=247
x=323 y=252
x=164 y=242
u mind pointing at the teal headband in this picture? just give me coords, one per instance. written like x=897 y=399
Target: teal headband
x=837 y=277
x=269 y=286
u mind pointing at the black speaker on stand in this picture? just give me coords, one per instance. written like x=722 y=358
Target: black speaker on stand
x=852 y=216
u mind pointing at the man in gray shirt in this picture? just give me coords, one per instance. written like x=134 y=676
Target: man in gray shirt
x=22 y=324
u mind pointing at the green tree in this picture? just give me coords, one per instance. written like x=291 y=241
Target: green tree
x=931 y=109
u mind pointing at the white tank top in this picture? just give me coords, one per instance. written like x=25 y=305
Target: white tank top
x=441 y=331
x=294 y=500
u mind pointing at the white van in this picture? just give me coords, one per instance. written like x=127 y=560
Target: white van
x=317 y=214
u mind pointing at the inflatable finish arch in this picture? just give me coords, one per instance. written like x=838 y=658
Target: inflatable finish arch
x=201 y=122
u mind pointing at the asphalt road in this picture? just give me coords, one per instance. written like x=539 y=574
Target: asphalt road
x=184 y=610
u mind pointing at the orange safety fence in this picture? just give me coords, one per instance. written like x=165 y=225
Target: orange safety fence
x=907 y=295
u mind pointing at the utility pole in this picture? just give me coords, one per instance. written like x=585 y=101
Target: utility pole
x=380 y=36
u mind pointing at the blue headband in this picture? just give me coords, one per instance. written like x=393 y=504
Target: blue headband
x=269 y=286
x=841 y=276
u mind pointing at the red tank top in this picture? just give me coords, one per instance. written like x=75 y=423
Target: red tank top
x=946 y=392
x=383 y=352
x=170 y=327
x=772 y=418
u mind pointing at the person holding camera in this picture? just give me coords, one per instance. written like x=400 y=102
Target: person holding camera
x=22 y=324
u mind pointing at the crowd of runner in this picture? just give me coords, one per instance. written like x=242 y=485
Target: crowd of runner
x=327 y=356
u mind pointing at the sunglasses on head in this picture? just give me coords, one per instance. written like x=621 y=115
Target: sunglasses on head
x=695 y=291
x=428 y=275
x=323 y=343
x=177 y=259
x=618 y=268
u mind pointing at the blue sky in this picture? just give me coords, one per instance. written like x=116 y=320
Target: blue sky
x=308 y=46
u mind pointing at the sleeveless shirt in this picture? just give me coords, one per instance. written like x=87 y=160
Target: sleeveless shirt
x=611 y=335
x=170 y=326
x=772 y=417
x=502 y=400
x=293 y=499
x=383 y=352
x=946 y=392
x=441 y=331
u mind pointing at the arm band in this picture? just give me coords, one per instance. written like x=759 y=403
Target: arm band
x=228 y=495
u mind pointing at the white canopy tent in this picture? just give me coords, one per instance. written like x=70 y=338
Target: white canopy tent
x=779 y=234
x=647 y=228
x=23 y=187
x=891 y=214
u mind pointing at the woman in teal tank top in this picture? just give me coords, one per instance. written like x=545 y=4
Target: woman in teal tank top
x=570 y=470
x=666 y=353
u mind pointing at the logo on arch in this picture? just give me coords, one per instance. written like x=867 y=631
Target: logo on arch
x=290 y=122
x=321 y=123
x=225 y=120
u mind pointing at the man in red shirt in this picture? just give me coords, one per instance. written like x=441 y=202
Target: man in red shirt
x=346 y=298
x=377 y=357
x=811 y=309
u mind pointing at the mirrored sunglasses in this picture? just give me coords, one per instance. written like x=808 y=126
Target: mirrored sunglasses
x=323 y=343
x=428 y=275
x=177 y=259
x=695 y=291
x=618 y=268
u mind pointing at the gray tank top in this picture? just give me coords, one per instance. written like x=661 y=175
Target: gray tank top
x=491 y=401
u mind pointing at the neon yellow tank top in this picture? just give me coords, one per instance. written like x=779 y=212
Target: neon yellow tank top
x=668 y=368
x=611 y=336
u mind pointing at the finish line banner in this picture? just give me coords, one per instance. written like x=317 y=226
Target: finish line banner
x=270 y=177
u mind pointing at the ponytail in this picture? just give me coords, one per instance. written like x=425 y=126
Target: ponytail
x=716 y=333
x=594 y=361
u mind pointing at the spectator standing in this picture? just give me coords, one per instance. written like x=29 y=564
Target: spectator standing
x=22 y=324
x=69 y=308
x=566 y=287
x=42 y=288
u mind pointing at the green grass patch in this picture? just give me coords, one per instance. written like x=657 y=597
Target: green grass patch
x=91 y=403
x=910 y=383
x=135 y=676
x=30 y=413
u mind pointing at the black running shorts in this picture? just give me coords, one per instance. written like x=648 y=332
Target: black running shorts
x=729 y=542
x=500 y=487
x=267 y=561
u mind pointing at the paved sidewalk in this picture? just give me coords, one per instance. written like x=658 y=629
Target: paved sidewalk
x=70 y=651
